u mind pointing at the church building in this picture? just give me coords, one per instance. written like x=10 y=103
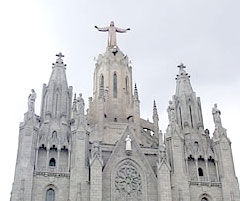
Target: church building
x=107 y=152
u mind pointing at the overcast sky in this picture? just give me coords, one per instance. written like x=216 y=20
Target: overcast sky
x=204 y=35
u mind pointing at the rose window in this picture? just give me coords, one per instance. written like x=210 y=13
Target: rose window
x=128 y=183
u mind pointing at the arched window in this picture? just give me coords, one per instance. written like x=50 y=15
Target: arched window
x=54 y=134
x=196 y=146
x=180 y=114
x=200 y=172
x=204 y=199
x=190 y=111
x=50 y=195
x=115 y=85
x=52 y=162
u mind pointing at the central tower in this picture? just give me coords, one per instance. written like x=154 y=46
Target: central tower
x=113 y=100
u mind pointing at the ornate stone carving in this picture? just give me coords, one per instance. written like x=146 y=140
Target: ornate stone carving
x=171 y=112
x=128 y=183
x=96 y=150
x=80 y=105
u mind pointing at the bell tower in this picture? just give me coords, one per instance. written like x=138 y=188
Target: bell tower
x=113 y=101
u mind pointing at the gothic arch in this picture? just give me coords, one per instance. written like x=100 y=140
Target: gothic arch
x=205 y=197
x=128 y=182
x=50 y=195
x=48 y=187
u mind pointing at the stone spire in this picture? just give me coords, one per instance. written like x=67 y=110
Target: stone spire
x=183 y=82
x=186 y=105
x=155 y=113
x=58 y=75
x=56 y=99
x=155 y=118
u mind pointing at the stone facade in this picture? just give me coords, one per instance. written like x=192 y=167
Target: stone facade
x=110 y=153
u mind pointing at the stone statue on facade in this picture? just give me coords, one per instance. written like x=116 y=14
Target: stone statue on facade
x=216 y=116
x=96 y=150
x=128 y=145
x=31 y=101
x=80 y=105
x=171 y=112
x=112 y=40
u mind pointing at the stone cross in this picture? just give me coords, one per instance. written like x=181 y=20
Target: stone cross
x=181 y=67
x=60 y=55
x=112 y=40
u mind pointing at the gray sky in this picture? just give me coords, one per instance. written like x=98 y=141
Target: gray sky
x=204 y=35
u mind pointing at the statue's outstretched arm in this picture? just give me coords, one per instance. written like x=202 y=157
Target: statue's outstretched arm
x=120 y=30
x=101 y=28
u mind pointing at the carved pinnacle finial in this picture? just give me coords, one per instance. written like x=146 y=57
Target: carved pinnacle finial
x=135 y=92
x=154 y=104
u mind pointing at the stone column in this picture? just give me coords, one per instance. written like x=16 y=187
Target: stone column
x=206 y=163
x=36 y=156
x=58 y=157
x=196 y=163
x=69 y=157
x=47 y=158
x=216 y=165
x=186 y=161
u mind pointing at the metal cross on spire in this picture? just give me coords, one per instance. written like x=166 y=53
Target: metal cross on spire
x=181 y=66
x=60 y=55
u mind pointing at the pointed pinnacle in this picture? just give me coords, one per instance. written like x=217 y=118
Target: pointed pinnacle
x=136 y=91
x=154 y=104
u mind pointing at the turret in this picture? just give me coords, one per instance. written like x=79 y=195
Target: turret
x=28 y=130
x=53 y=146
x=79 y=179
x=113 y=83
x=187 y=105
x=57 y=96
x=222 y=147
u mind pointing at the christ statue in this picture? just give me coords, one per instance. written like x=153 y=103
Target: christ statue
x=112 y=40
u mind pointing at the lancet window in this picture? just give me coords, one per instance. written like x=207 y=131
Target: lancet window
x=115 y=85
x=50 y=195
x=200 y=172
